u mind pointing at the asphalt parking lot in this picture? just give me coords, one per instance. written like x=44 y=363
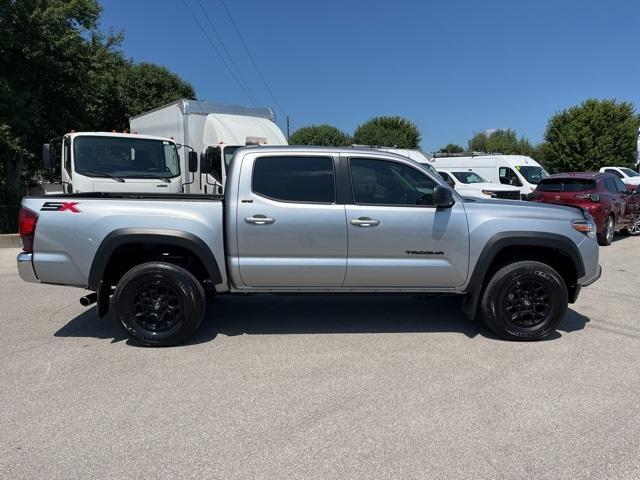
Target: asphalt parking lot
x=322 y=387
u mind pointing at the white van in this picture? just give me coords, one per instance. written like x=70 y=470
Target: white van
x=515 y=170
x=469 y=184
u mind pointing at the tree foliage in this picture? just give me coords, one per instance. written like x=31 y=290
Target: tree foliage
x=59 y=73
x=501 y=141
x=322 y=135
x=451 y=148
x=589 y=136
x=388 y=132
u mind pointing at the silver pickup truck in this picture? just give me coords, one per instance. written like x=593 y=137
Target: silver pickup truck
x=310 y=220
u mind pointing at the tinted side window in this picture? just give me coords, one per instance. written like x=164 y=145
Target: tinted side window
x=509 y=177
x=445 y=176
x=295 y=179
x=615 y=172
x=610 y=185
x=619 y=185
x=67 y=155
x=380 y=182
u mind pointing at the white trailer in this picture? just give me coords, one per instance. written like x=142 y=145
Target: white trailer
x=212 y=130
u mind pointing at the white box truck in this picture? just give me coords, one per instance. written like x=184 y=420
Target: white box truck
x=213 y=130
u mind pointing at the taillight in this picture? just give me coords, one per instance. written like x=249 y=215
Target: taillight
x=591 y=196
x=27 y=228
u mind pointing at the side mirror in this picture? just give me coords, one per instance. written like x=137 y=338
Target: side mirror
x=193 y=161
x=443 y=197
x=212 y=163
x=48 y=156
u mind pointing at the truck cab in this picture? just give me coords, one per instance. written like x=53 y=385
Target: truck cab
x=117 y=162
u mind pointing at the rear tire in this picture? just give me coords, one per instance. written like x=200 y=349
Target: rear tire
x=524 y=301
x=159 y=304
x=606 y=237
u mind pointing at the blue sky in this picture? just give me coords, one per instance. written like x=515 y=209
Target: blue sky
x=453 y=67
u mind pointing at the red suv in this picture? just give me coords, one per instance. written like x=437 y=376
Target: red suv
x=603 y=195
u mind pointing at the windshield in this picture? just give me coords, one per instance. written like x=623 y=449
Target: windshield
x=229 y=151
x=469 y=177
x=125 y=157
x=630 y=173
x=532 y=174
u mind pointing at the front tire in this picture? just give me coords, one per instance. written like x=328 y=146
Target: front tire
x=526 y=300
x=159 y=304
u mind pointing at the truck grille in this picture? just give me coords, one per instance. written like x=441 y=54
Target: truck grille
x=515 y=195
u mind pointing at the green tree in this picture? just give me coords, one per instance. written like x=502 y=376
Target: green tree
x=60 y=73
x=388 y=132
x=478 y=143
x=45 y=52
x=451 y=148
x=323 y=135
x=143 y=87
x=591 y=135
x=501 y=141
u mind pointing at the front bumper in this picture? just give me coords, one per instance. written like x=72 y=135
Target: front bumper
x=586 y=281
x=25 y=267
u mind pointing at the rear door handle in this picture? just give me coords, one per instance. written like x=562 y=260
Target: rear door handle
x=260 y=220
x=365 y=222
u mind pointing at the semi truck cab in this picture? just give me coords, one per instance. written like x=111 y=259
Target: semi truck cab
x=119 y=162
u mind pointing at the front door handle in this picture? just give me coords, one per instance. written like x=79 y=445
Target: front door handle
x=260 y=220
x=365 y=222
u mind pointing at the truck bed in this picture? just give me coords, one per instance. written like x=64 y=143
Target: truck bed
x=74 y=229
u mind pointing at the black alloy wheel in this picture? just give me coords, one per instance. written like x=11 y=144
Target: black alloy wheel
x=524 y=300
x=159 y=304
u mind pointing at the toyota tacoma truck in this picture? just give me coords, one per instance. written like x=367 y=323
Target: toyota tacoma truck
x=310 y=220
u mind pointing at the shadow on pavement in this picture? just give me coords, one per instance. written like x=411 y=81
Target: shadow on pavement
x=573 y=321
x=282 y=315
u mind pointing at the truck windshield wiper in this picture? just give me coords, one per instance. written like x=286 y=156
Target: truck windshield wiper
x=101 y=174
x=164 y=179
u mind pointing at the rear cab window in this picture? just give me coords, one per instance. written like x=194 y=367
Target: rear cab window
x=298 y=179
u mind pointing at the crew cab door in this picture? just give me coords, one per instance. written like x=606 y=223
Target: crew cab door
x=396 y=242
x=290 y=230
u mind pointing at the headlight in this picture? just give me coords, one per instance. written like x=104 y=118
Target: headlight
x=489 y=193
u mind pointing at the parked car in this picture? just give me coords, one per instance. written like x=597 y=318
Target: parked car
x=603 y=195
x=516 y=171
x=469 y=184
x=310 y=220
x=629 y=177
